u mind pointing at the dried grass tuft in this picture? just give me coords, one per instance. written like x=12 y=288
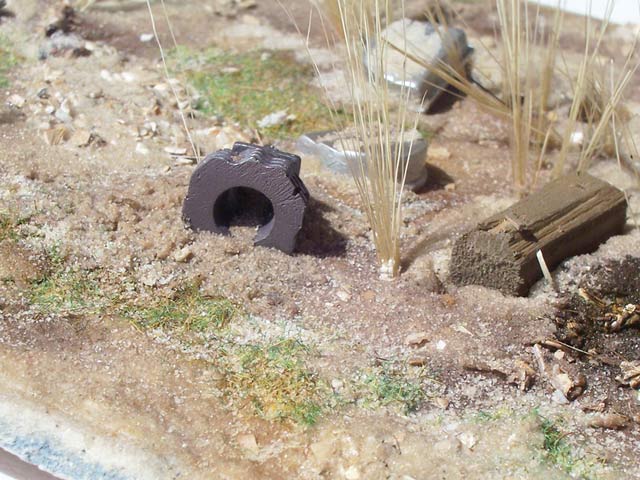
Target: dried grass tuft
x=529 y=64
x=379 y=116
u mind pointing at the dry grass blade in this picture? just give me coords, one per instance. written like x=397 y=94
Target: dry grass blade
x=515 y=47
x=604 y=125
x=457 y=79
x=552 y=44
x=526 y=44
x=627 y=151
x=165 y=67
x=112 y=5
x=598 y=102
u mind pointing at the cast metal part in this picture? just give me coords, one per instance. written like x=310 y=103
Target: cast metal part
x=229 y=181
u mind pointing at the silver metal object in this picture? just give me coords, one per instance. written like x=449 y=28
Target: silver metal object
x=433 y=45
x=339 y=160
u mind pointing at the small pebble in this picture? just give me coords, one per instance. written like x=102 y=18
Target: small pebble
x=438 y=153
x=609 y=421
x=352 y=473
x=468 y=440
x=142 y=149
x=369 y=295
x=183 y=255
x=344 y=296
x=248 y=442
x=417 y=361
x=16 y=101
x=416 y=339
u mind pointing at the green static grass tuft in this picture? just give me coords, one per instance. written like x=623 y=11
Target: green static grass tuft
x=559 y=452
x=8 y=60
x=67 y=292
x=7 y=227
x=189 y=311
x=389 y=386
x=246 y=87
x=275 y=379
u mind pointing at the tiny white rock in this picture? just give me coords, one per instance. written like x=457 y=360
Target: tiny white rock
x=559 y=398
x=352 y=473
x=177 y=151
x=185 y=161
x=344 y=296
x=142 y=149
x=106 y=75
x=248 y=442
x=183 y=255
x=468 y=440
x=80 y=138
x=577 y=138
x=273 y=119
x=65 y=112
x=17 y=101
x=129 y=77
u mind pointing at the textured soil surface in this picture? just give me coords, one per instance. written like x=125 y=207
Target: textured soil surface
x=131 y=347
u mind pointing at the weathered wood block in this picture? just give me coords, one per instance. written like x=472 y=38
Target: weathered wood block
x=571 y=215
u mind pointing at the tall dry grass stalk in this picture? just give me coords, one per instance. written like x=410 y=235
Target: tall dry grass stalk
x=517 y=87
x=529 y=63
x=597 y=99
x=379 y=121
x=601 y=123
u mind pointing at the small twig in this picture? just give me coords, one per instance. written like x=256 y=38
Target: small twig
x=590 y=297
x=561 y=345
x=545 y=270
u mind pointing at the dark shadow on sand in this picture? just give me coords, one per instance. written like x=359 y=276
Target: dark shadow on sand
x=318 y=237
x=437 y=179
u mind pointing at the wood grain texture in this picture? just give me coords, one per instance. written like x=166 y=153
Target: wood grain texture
x=571 y=215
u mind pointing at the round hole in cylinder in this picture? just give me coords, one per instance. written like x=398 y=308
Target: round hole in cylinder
x=242 y=206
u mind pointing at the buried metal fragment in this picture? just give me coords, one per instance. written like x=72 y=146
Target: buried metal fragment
x=413 y=50
x=249 y=179
x=338 y=153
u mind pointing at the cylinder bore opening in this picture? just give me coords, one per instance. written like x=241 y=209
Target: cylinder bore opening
x=242 y=207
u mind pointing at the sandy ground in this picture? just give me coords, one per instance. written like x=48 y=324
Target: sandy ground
x=84 y=382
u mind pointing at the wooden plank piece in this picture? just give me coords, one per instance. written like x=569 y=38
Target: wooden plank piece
x=570 y=216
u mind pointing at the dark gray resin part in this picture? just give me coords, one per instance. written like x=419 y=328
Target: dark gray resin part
x=219 y=186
